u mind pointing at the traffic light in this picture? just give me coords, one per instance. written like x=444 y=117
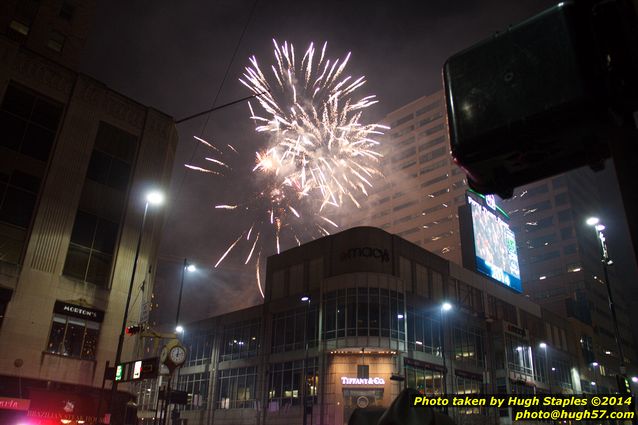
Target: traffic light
x=624 y=386
x=134 y=329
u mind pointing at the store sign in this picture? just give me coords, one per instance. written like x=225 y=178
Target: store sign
x=62 y=406
x=362 y=381
x=78 y=311
x=366 y=252
x=10 y=403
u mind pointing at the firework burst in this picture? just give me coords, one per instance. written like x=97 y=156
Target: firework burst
x=318 y=152
x=317 y=141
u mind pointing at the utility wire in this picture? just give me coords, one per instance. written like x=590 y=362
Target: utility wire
x=219 y=90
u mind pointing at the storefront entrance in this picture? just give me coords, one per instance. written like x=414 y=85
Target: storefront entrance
x=360 y=397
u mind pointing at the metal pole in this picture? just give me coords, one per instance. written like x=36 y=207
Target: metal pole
x=612 y=308
x=443 y=355
x=181 y=288
x=99 y=402
x=120 y=342
x=179 y=305
x=305 y=366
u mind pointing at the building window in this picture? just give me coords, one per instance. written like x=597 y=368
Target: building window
x=292 y=329
x=29 y=122
x=196 y=386
x=91 y=249
x=436 y=104
x=424 y=331
x=73 y=337
x=468 y=345
x=519 y=355
x=237 y=388
x=425 y=381
x=5 y=297
x=240 y=340
x=199 y=348
x=363 y=312
x=468 y=386
x=286 y=382
x=18 y=30
x=402 y=120
x=56 y=41
x=97 y=222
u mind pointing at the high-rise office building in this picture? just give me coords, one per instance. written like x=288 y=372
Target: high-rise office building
x=419 y=196
x=561 y=262
x=75 y=161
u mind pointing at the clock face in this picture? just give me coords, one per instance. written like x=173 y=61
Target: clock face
x=177 y=355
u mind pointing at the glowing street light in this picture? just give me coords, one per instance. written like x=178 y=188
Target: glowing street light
x=592 y=221
x=191 y=268
x=154 y=198
x=543 y=345
x=179 y=329
x=446 y=306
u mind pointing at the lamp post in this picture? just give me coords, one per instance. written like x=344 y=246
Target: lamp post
x=594 y=221
x=152 y=198
x=305 y=299
x=543 y=346
x=186 y=267
x=445 y=307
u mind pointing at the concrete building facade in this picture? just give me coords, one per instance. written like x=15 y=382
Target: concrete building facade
x=374 y=314
x=76 y=159
x=419 y=196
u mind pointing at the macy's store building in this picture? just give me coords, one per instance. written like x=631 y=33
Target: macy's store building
x=348 y=321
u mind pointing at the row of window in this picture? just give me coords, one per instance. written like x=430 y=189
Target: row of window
x=363 y=312
x=30 y=123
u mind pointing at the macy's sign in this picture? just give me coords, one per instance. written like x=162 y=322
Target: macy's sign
x=366 y=252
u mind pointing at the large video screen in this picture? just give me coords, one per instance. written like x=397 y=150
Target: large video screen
x=495 y=245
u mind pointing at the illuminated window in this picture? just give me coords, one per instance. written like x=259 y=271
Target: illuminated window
x=196 y=386
x=236 y=388
x=56 y=41
x=425 y=381
x=240 y=340
x=18 y=29
x=73 y=337
x=285 y=386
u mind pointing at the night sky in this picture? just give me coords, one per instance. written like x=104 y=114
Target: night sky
x=185 y=57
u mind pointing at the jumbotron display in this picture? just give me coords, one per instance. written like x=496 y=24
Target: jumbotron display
x=494 y=244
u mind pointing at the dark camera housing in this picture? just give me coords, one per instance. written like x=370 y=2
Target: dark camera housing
x=535 y=100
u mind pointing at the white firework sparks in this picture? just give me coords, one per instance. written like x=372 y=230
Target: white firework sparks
x=319 y=154
x=318 y=143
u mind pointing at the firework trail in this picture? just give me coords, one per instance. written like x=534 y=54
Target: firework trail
x=318 y=156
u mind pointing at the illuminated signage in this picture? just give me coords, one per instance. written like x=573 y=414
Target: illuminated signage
x=137 y=369
x=494 y=245
x=362 y=381
x=10 y=403
x=119 y=372
x=78 y=311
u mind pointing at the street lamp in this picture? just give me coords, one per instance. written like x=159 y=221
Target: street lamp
x=152 y=198
x=543 y=346
x=305 y=299
x=445 y=307
x=186 y=267
x=599 y=227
